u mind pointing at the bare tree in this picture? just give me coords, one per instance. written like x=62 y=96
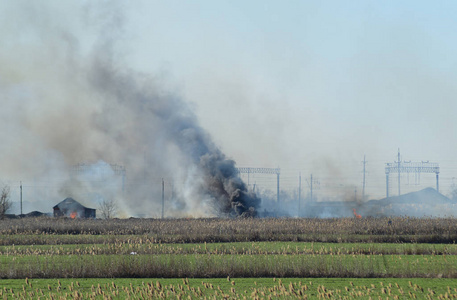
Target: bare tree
x=108 y=208
x=5 y=202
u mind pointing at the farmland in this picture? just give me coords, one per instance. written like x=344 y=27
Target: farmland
x=221 y=288
x=235 y=258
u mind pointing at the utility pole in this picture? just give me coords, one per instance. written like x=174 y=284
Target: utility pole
x=437 y=182
x=277 y=186
x=163 y=196
x=311 y=187
x=399 y=162
x=299 y=193
x=21 y=197
x=363 y=186
x=387 y=185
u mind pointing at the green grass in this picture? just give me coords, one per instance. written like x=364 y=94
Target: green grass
x=235 y=288
x=214 y=265
x=252 y=250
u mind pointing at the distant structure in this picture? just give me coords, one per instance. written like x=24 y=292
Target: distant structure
x=410 y=167
x=73 y=209
x=424 y=203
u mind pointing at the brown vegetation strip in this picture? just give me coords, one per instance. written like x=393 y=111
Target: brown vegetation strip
x=395 y=230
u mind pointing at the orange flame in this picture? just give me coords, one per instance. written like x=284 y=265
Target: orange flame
x=356 y=214
x=73 y=215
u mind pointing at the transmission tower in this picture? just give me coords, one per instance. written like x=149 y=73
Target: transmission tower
x=276 y=171
x=410 y=167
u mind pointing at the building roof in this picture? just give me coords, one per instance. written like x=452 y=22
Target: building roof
x=70 y=203
x=428 y=196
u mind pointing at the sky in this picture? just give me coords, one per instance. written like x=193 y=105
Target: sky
x=313 y=86
x=310 y=87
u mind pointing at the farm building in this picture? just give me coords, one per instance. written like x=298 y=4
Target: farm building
x=73 y=209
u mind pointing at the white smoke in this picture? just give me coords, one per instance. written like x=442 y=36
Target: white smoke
x=69 y=97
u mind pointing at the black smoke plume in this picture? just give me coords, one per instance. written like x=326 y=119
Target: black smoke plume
x=221 y=182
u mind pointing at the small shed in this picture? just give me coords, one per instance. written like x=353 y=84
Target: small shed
x=73 y=209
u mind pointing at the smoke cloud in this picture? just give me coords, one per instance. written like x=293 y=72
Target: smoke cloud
x=69 y=97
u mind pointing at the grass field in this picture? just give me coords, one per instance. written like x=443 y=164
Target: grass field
x=233 y=288
x=245 y=248
x=279 y=258
x=214 y=265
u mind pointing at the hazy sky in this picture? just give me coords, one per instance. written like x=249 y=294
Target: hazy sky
x=312 y=86
x=307 y=86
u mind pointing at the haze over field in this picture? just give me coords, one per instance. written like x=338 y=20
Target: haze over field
x=306 y=86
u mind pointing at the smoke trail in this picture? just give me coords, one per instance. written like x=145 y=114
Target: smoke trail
x=89 y=106
x=178 y=127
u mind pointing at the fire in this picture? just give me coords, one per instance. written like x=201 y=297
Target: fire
x=73 y=215
x=356 y=214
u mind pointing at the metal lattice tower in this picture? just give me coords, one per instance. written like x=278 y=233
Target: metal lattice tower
x=82 y=167
x=411 y=167
x=276 y=171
